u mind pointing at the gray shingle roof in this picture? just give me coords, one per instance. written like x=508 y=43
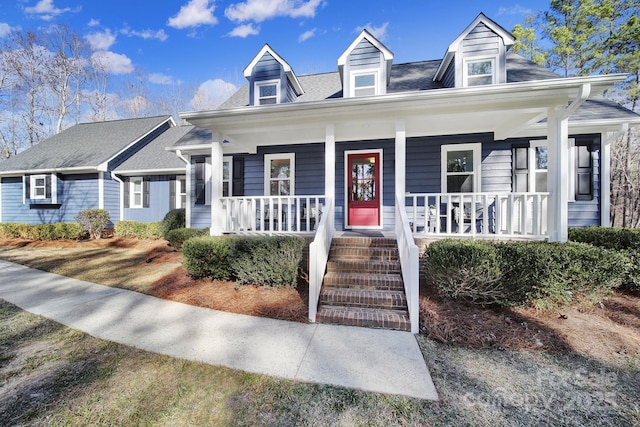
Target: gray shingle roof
x=196 y=136
x=412 y=76
x=85 y=145
x=154 y=155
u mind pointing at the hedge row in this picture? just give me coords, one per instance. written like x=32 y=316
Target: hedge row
x=139 y=230
x=254 y=260
x=178 y=236
x=58 y=231
x=517 y=273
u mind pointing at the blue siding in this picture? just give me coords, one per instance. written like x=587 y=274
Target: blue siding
x=159 y=203
x=584 y=213
x=481 y=41
x=449 y=77
x=268 y=68
x=365 y=55
x=112 y=196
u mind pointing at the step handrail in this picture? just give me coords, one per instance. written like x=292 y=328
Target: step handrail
x=319 y=255
x=409 y=263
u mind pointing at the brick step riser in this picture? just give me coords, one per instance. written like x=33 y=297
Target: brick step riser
x=365 y=286
x=386 y=282
x=331 y=318
x=337 y=254
x=363 y=267
x=364 y=242
x=373 y=304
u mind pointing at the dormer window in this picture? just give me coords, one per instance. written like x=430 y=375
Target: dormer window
x=268 y=92
x=479 y=72
x=364 y=83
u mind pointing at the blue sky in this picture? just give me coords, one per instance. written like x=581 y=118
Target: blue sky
x=208 y=43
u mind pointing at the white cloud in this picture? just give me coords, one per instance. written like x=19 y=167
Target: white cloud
x=114 y=63
x=101 y=40
x=378 y=32
x=514 y=10
x=261 y=10
x=6 y=29
x=46 y=10
x=194 y=14
x=307 y=35
x=244 y=31
x=160 y=79
x=146 y=34
x=93 y=23
x=212 y=93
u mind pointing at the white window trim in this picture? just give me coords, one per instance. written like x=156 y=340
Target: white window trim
x=467 y=61
x=256 y=90
x=476 y=147
x=180 y=190
x=228 y=159
x=354 y=74
x=571 y=181
x=132 y=193
x=32 y=187
x=268 y=158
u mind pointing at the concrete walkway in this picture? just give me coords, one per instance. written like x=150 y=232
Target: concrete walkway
x=367 y=359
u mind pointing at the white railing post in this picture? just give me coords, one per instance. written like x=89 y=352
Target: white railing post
x=409 y=262
x=319 y=255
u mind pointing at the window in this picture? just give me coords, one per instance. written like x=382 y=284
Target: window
x=584 y=171
x=364 y=83
x=540 y=160
x=181 y=192
x=279 y=174
x=479 y=72
x=200 y=181
x=136 y=192
x=461 y=168
x=227 y=174
x=38 y=187
x=267 y=93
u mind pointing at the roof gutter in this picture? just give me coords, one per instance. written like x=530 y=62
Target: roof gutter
x=583 y=95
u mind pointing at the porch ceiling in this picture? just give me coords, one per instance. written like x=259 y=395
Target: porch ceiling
x=504 y=109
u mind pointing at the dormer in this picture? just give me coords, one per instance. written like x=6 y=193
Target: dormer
x=271 y=79
x=477 y=57
x=365 y=67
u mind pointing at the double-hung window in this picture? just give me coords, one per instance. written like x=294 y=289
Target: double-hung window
x=227 y=174
x=181 y=192
x=267 y=92
x=460 y=165
x=479 y=72
x=38 y=187
x=136 y=191
x=279 y=170
x=364 y=83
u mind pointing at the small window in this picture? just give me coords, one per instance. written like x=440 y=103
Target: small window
x=365 y=84
x=279 y=174
x=461 y=168
x=480 y=72
x=38 y=187
x=136 y=191
x=267 y=93
x=540 y=169
x=181 y=192
x=227 y=173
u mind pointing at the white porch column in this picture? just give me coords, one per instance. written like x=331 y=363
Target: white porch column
x=558 y=174
x=330 y=162
x=217 y=213
x=401 y=158
x=605 y=181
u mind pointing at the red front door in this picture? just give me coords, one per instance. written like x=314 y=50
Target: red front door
x=364 y=190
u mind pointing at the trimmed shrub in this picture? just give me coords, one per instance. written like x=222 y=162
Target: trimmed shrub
x=61 y=230
x=174 y=219
x=467 y=270
x=266 y=260
x=139 y=230
x=93 y=221
x=207 y=256
x=178 y=236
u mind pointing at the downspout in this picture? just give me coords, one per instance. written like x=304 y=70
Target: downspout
x=585 y=91
x=115 y=178
x=187 y=190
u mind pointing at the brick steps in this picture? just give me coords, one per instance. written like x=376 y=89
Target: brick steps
x=363 y=285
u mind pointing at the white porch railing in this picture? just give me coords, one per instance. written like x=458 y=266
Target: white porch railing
x=479 y=214
x=319 y=255
x=269 y=214
x=409 y=262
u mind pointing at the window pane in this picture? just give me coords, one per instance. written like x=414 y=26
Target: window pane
x=460 y=184
x=280 y=168
x=365 y=80
x=584 y=156
x=137 y=199
x=268 y=101
x=479 y=81
x=39 y=192
x=365 y=92
x=225 y=189
x=225 y=170
x=268 y=90
x=541 y=182
x=460 y=161
x=541 y=158
x=479 y=68
x=39 y=182
x=280 y=188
